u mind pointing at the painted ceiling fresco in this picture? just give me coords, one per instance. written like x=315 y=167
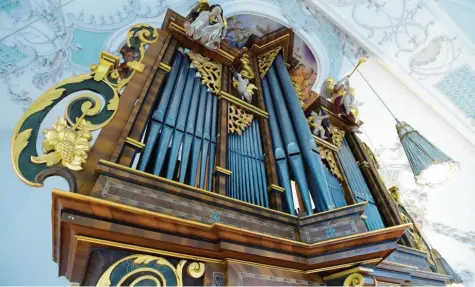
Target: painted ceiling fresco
x=241 y=27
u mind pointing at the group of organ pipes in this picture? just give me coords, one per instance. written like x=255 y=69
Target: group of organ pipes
x=209 y=164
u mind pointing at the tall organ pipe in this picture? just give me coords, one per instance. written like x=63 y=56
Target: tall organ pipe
x=279 y=152
x=180 y=123
x=170 y=118
x=321 y=194
x=198 y=135
x=159 y=113
x=292 y=147
x=190 y=129
x=212 y=148
x=206 y=138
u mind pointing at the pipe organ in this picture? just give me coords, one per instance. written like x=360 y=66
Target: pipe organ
x=208 y=171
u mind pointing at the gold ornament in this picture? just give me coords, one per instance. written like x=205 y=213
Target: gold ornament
x=66 y=145
x=246 y=68
x=196 y=269
x=210 y=71
x=337 y=135
x=298 y=91
x=327 y=155
x=370 y=154
x=239 y=120
x=355 y=279
x=265 y=60
x=149 y=272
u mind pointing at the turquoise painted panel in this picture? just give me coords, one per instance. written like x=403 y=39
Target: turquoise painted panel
x=10 y=7
x=462 y=13
x=459 y=86
x=9 y=57
x=87 y=46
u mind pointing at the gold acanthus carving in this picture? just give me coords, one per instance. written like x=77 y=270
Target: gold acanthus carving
x=210 y=72
x=370 y=154
x=355 y=279
x=327 y=154
x=246 y=67
x=298 y=91
x=265 y=60
x=337 y=135
x=195 y=270
x=238 y=120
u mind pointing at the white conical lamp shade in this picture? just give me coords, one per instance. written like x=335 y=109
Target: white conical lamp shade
x=429 y=164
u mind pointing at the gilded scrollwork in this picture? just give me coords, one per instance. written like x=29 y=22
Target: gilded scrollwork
x=370 y=154
x=265 y=60
x=246 y=68
x=355 y=279
x=69 y=140
x=239 y=120
x=327 y=154
x=337 y=135
x=210 y=72
x=148 y=270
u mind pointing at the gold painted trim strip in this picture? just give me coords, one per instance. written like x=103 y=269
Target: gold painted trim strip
x=87 y=239
x=152 y=176
x=334 y=210
x=164 y=67
x=412 y=249
x=284 y=49
x=326 y=144
x=134 y=142
x=369 y=261
x=360 y=269
x=148 y=212
x=242 y=104
x=275 y=187
x=223 y=170
x=176 y=27
x=231 y=260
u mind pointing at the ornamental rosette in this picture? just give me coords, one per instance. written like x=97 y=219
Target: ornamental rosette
x=66 y=145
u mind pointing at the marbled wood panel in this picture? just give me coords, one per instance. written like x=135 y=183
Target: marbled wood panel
x=241 y=274
x=214 y=274
x=333 y=228
x=408 y=257
x=163 y=202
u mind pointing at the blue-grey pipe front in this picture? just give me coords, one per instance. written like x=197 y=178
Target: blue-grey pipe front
x=308 y=147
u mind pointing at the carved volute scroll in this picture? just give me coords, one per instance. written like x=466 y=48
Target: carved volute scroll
x=265 y=60
x=68 y=141
x=246 y=67
x=210 y=72
x=355 y=279
x=149 y=270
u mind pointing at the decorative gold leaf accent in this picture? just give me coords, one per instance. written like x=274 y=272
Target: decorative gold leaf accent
x=196 y=269
x=246 y=68
x=327 y=155
x=210 y=71
x=337 y=135
x=65 y=145
x=113 y=103
x=370 y=154
x=265 y=60
x=239 y=120
x=298 y=91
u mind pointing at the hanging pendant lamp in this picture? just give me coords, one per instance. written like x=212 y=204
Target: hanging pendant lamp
x=428 y=163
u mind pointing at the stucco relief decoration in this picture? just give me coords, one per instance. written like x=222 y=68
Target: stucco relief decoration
x=390 y=21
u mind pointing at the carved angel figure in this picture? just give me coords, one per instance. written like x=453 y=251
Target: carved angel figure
x=209 y=27
x=316 y=122
x=245 y=89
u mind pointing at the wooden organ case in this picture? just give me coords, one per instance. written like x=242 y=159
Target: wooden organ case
x=191 y=184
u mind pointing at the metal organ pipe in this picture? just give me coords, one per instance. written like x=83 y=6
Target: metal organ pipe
x=279 y=152
x=183 y=128
x=288 y=135
x=159 y=113
x=319 y=190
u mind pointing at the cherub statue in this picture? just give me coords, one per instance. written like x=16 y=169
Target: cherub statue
x=317 y=123
x=245 y=89
x=209 y=27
